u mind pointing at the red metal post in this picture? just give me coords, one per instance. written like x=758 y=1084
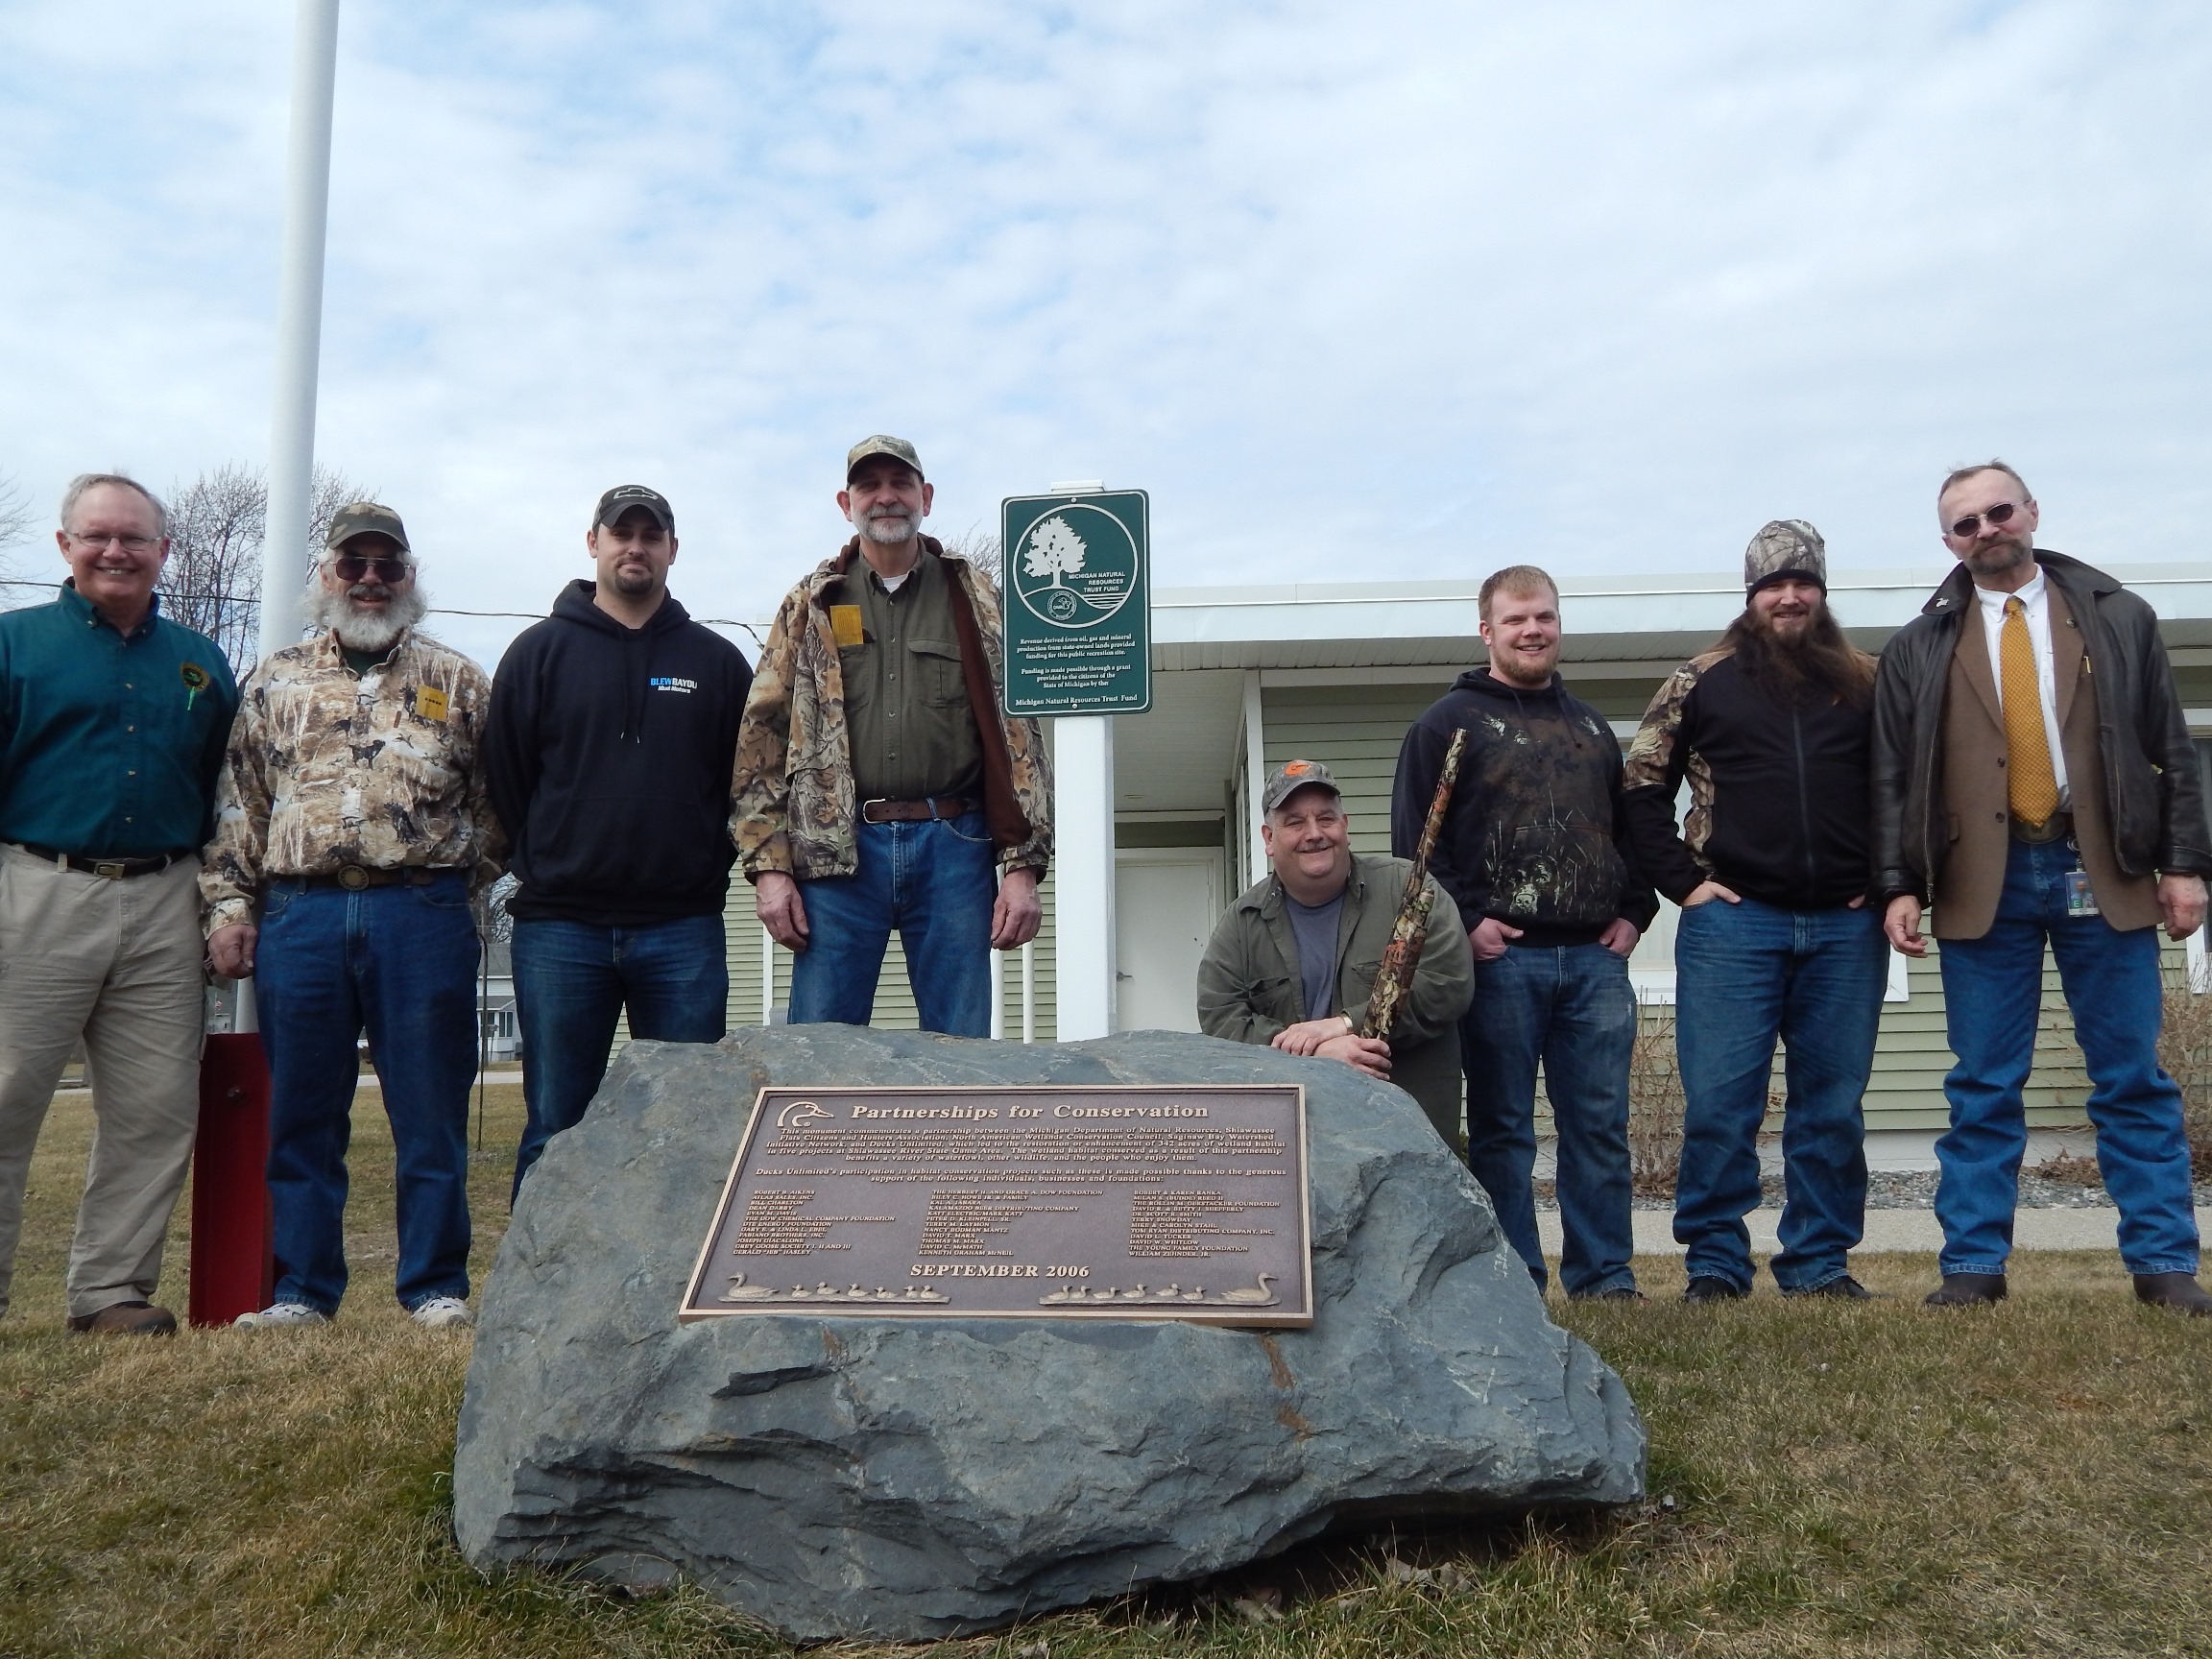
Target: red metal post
x=233 y=1259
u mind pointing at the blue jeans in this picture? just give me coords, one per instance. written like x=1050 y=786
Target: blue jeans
x=1745 y=974
x=1572 y=1008
x=399 y=962
x=1992 y=992
x=573 y=981
x=936 y=882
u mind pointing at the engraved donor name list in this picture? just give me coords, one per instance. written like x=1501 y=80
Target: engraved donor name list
x=1046 y=1203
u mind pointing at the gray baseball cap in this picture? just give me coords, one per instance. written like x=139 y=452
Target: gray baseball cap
x=365 y=519
x=624 y=496
x=897 y=448
x=1292 y=776
x=1785 y=548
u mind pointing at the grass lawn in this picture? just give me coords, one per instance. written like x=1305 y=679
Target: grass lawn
x=1826 y=1479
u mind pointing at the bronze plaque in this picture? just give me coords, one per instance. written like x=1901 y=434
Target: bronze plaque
x=1139 y=1202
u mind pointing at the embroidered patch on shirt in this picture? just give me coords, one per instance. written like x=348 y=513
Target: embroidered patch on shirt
x=672 y=683
x=845 y=624
x=429 y=703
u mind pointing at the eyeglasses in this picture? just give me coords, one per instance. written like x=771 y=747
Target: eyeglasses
x=129 y=544
x=354 y=567
x=1971 y=524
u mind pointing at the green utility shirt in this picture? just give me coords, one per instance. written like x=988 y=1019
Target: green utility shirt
x=912 y=732
x=110 y=747
x=1250 y=987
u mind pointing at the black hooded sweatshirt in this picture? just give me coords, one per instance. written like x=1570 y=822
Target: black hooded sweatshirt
x=1534 y=834
x=609 y=752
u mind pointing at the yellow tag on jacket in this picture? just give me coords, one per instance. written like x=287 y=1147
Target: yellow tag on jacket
x=429 y=703
x=845 y=625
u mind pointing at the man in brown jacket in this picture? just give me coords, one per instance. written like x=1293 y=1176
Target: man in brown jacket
x=877 y=784
x=2035 y=780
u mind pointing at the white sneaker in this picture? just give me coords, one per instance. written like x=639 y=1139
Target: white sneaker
x=442 y=1314
x=281 y=1313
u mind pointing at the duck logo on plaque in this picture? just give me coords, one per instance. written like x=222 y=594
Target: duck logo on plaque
x=1139 y=1202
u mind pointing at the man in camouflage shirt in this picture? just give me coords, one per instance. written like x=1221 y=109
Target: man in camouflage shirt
x=877 y=783
x=352 y=815
x=1772 y=730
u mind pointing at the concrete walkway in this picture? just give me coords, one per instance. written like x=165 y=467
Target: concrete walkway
x=1911 y=1230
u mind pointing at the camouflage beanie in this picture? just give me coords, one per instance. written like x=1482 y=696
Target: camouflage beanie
x=1784 y=548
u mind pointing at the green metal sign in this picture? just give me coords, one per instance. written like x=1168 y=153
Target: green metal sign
x=1078 y=603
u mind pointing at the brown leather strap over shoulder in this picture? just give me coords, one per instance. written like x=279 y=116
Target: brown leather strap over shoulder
x=1002 y=812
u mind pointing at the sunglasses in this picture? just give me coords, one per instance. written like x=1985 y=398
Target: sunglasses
x=1971 y=524
x=352 y=567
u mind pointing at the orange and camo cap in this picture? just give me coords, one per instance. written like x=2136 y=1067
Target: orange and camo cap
x=1292 y=776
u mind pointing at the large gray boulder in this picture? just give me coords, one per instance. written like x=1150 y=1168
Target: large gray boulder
x=857 y=1477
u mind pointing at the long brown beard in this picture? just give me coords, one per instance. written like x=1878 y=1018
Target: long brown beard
x=1818 y=666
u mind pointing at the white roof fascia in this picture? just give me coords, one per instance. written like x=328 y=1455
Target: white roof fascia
x=1606 y=617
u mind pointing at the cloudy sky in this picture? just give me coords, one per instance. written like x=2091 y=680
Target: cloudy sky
x=1395 y=289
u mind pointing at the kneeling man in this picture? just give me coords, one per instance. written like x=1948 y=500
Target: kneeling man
x=1292 y=962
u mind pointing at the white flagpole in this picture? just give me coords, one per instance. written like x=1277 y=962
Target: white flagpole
x=298 y=344
x=298 y=321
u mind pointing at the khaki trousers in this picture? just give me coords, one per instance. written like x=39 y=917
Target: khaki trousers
x=118 y=964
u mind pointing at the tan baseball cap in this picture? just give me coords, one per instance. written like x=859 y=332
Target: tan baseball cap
x=1292 y=776
x=897 y=448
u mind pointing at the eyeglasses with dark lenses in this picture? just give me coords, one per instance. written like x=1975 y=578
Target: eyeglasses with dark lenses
x=1971 y=524
x=352 y=567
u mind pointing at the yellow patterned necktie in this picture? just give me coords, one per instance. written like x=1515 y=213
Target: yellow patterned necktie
x=2032 y=786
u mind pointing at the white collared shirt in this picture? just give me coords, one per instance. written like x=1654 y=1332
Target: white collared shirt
x=2034 y=599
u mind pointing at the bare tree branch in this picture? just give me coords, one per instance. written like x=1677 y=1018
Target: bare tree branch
x=979 y=547
x=218 y=526
x=16 y=520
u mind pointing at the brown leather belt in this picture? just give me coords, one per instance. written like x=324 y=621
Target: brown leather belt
x=113 y=869
x=2059 y=827
x=882 y=811
x=353 y=878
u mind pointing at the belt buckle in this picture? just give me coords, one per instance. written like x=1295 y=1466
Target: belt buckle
x=352 y=877
x=111 y=871
x=872 y=800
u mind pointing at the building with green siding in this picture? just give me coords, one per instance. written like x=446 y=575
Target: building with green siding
x=1246 y=677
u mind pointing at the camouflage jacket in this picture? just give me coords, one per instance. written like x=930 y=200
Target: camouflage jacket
x=1660 y=759
x=794 y=802
x=1779 y=804
x=327 y=768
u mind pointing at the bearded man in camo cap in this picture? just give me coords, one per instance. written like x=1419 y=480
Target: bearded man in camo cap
x=1771 y=728
x=352 y=828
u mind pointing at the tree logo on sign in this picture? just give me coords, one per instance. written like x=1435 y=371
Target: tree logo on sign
x=1054 y=550
x=1077 y=566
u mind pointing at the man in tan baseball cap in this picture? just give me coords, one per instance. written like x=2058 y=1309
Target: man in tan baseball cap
x=877 y=784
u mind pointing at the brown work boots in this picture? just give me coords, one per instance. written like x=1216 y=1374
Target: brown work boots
x=127 y=1319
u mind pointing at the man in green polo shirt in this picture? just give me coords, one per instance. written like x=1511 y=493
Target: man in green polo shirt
x=112 y=723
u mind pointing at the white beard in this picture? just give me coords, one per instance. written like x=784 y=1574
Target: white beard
x=891 y=530
x=360 y=630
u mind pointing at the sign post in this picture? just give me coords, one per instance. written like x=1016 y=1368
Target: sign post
x=1078 y=623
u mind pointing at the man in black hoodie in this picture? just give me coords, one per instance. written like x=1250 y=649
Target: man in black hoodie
x=613 y=724
x=1771 y=728
x=1536 y=854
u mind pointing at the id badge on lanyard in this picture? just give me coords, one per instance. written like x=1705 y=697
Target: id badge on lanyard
x=2080 y=898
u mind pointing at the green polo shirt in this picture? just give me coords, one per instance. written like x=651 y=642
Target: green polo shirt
x=906 y=712
x=110 y=747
